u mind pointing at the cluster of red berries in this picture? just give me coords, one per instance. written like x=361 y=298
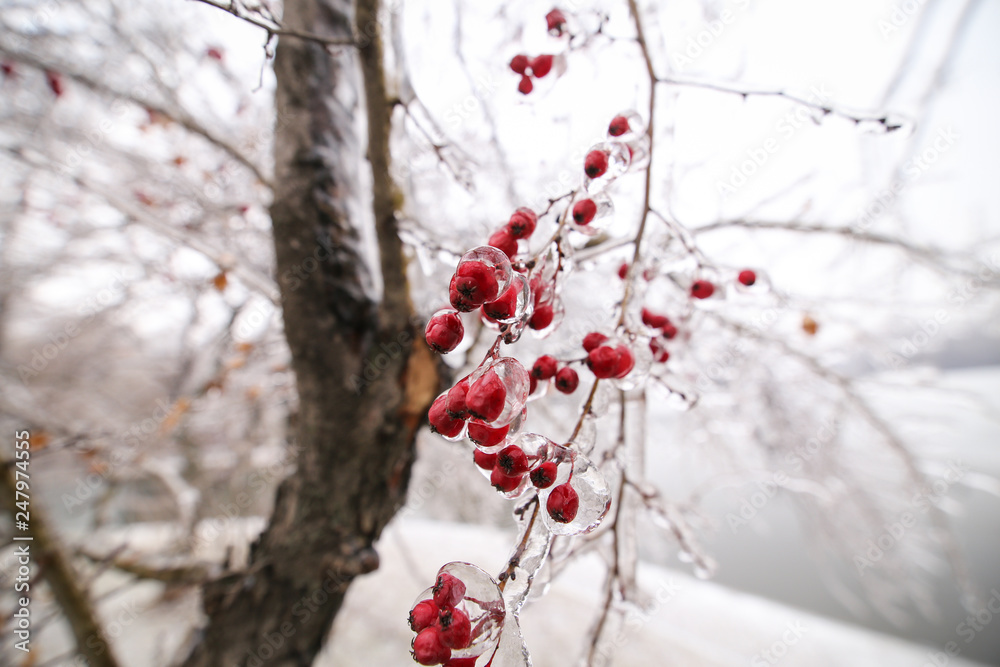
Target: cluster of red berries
x=458 y=619
x=530 y=68
x=546 y=367
x=511 y=469
x=666 y=331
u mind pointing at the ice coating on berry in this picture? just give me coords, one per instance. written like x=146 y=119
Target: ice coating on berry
x=603 y=361
x=584 y=211
x=483 y=459
x=511 y=395
x=659 y=351
x=504 y=308
x=595 y=164
x=493 y=259
x=618 y=126
x=455 y=403
x=544 y=475
x=511 y=461
x=441 y=422
x=428 y=648
x=423 y=615
x=542 y=317
x=476 y=282
x=449 y=590
x=484 y=606
x=522 y=223
x=510 y=485
x=444 y=331
x=461 y=662
x=567 y=380
x=486 y=437
x=486 y=397
x=625 y=363
x=456 y=630
x=591 y=490
x=563 y=503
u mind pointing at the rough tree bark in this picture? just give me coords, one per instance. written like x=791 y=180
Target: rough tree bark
x=355 y=430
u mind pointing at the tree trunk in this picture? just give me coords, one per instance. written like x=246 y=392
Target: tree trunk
x=364 y=377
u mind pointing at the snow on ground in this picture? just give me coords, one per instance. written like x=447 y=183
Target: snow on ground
x=688 y=622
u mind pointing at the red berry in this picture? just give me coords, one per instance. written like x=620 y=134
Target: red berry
x=8 y=69
x=584 y=211
x=618 y=126
x=428 y=648
x=519 y=63
x=487 y=436
x=541 y=318
x=603 y=361
x=484 y=460
x=502 y=482
x=544 y=475
x=541 y=65
x=592 y=340
x=625 y=363
x=444 y=332
x=455 y=400
x=458 y=301
x=441 y=421
x=54 y=79
x=476 y=282
x=563 y=503
x=567 y=380
x=486 y=397
x=532 y=384
x=456 y=630
x=505 y=307
x=448 y=590
x=669 y=330
x=423 y=615
x=595 y=164
x=556 y=22
x=522 y=223
x=504 y=241
x=660 y=353
x=702 y=289
x=747 y=277
x=623 y=270
x=525 y=86
x=511 y=461
x=651 y=319
x=545 y=367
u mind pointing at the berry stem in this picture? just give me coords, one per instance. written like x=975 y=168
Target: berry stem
x=650 y=122
x=515 y=560
x=584 y=412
